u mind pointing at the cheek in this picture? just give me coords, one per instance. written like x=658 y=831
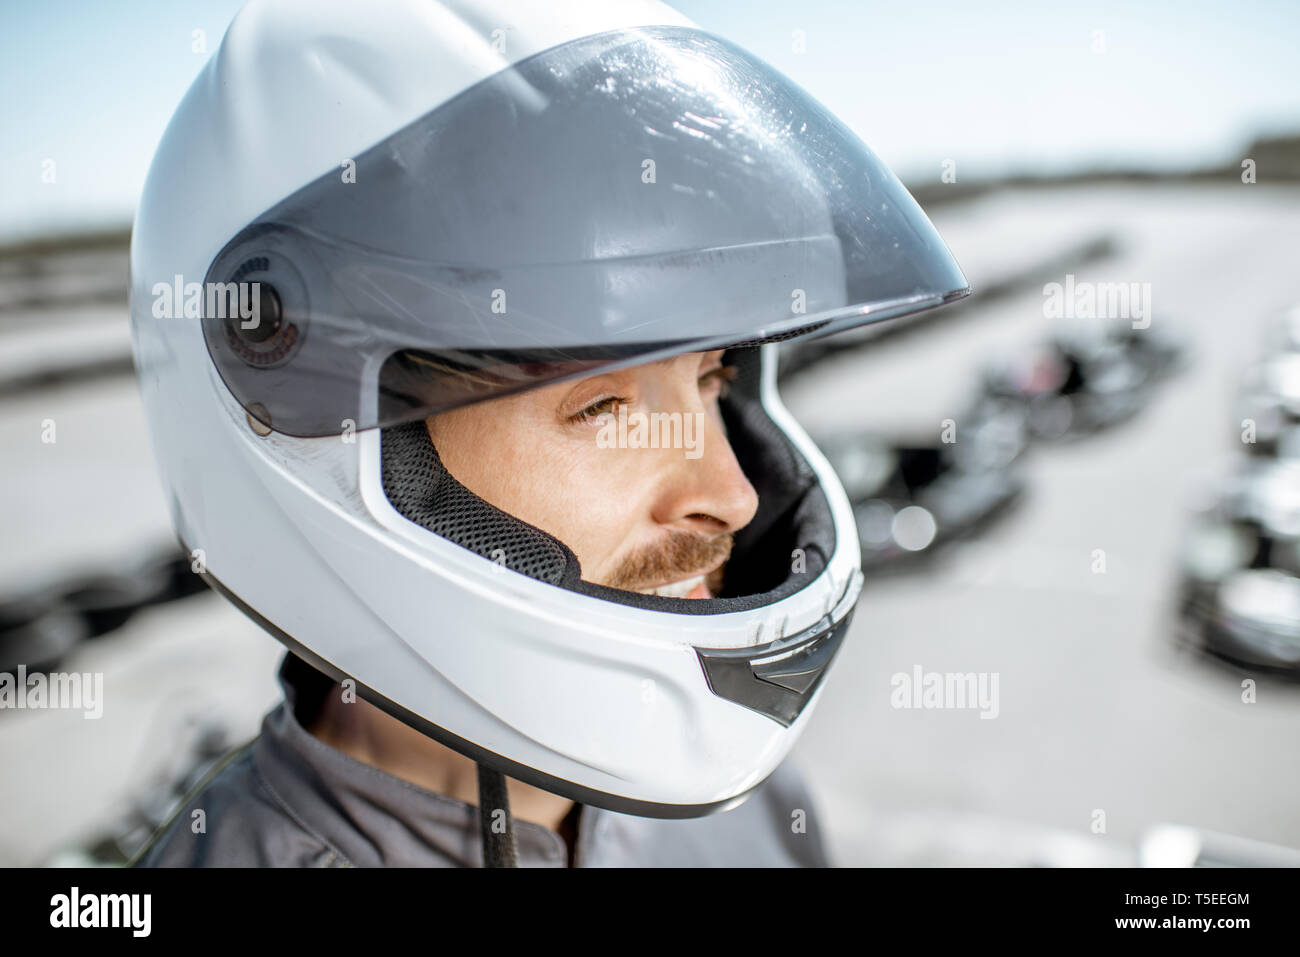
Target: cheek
x=590 y=498
x=557 y=479
x=473 y=447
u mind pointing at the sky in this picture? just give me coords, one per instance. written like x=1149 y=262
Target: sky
x=1037 y=87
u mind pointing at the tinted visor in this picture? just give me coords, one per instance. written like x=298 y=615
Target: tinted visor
x=613 y=200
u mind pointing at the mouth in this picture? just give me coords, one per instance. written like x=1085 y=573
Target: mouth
x=703 y=585
x=686 y=588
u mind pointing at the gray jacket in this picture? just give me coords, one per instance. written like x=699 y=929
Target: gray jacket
x=288 y=799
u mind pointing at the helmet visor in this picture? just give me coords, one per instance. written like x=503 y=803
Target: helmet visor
x=617 y=199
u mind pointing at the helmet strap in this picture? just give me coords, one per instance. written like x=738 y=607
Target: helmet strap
x=498 y=831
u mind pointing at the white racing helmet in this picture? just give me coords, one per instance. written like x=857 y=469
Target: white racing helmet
x=444 y=202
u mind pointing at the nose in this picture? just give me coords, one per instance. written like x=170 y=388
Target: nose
x=708 y=494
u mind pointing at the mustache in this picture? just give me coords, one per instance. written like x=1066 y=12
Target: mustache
x=680 y=554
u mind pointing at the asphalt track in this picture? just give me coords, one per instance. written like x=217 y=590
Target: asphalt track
x=1098 y=710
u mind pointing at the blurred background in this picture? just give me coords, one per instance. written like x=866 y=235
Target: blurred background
x=1097 y=517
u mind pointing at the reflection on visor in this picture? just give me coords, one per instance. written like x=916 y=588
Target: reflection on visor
x=619 y=198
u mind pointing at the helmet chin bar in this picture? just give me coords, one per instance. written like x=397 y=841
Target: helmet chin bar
x=772 y=449
x=513 y=769
x=779 y=678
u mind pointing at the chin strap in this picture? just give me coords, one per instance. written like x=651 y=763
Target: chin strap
x=497 y=828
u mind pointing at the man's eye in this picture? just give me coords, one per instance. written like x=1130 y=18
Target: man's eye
x=606 y=406
x=723 y=375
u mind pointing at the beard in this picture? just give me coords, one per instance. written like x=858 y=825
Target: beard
x=680 y=555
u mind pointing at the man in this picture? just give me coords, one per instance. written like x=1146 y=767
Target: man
x=495 y=448
x=645 y=519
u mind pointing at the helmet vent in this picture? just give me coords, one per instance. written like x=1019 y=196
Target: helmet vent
x=256 y=264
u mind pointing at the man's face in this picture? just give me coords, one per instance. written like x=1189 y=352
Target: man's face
x=564 y=458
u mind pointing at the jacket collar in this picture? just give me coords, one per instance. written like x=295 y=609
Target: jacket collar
x=371 y=818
